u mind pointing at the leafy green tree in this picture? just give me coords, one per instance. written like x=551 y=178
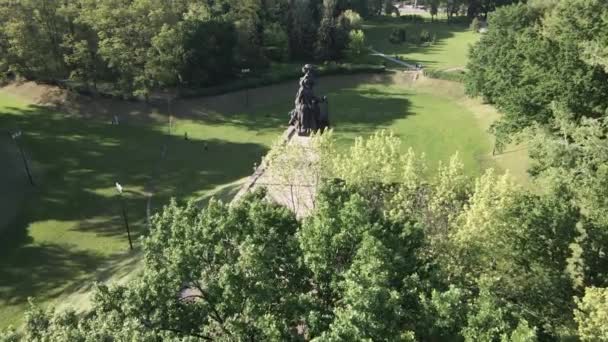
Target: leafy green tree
x=302 y=29
x=277 y=42
x=370 y=308
x=445 y=312
x=583 y=23
x=391 y=251
x=354 y=19
x=32 y=33
x=505 y=231
x=209 y=47
x=361 y=7
x=571 y=159
x=356 y=43
x=519 y=67
x=475 y=25
x=591 y=315
x=327 y=46
x=166 y=60
x=434 y=9
x=223 y=273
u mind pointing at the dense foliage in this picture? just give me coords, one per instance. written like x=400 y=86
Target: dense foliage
x=140 y=45
x=389 y=253
x=540 y=55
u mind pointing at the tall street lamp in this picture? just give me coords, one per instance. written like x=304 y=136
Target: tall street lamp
x=15 y=136
x=124 y=213
x=245 y=72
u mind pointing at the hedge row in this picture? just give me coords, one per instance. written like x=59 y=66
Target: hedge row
x=282 y=76
x=278 y=74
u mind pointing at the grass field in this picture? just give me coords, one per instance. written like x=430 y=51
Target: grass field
x=449 y=51
x=68 y=228
x=65 y=233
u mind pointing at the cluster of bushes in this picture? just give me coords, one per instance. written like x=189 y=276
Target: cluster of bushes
x=400 y=36
x=413 y=18
x=476 y=25
x=277 y=75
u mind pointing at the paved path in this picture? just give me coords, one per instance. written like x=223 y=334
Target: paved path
x=292 y=186
x=394 y=60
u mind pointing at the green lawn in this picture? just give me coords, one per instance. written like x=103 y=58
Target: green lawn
x=69 y=225
x=67 y=231
x=449 y=50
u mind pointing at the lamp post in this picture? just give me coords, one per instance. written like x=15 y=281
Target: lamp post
x=124 y=213
x=15 y=136
x=244 y=72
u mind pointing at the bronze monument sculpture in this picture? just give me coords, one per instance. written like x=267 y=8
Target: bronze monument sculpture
x=310 y=113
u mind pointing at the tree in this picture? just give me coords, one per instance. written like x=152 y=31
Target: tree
x=303 y=29
x=356 y=43
x=391 y=251
x=277 y=42
x=571 y=159
x=585 y=25
x=506 y=231
x=519 y=68
x=475 y=25
x=434 y=9
x=333 y=33
x=209 y=47
x=370 y=308
x=591 y=315
x=33 y=32
x=354 y=19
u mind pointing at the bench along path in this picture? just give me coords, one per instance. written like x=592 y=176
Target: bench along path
x=290 y=178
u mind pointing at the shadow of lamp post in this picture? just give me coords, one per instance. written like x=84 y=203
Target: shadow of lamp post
x=124 y=213
x=15 y=136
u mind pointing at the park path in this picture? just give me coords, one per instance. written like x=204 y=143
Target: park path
x=394 y=60
x=289 y=179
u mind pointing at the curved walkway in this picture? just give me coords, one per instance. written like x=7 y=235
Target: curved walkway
x=394 y=60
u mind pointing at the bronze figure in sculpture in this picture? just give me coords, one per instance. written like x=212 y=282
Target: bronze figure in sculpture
x=308 y=116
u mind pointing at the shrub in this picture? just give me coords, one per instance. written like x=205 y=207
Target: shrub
x=402 y=36
x=397 y=36
x=415 y=18
x=354 y=19
x=281 y=75
x=425 y=36
x=394 y=37
x=276 y=41
x=356 y=42
x=475 y=25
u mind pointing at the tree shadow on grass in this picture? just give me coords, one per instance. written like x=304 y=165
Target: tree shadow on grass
x=75 y=205
x=42 y=270
x=269 y=106
x=362 y=111
x=377 y=35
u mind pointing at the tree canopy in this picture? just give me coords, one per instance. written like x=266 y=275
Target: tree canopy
x=140 y=45
x=401 y=255
x=539 y=55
